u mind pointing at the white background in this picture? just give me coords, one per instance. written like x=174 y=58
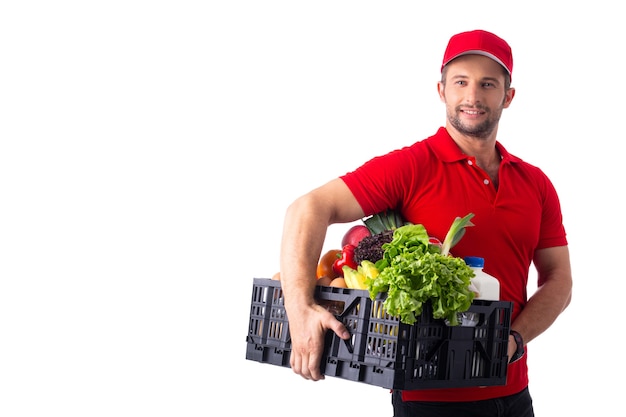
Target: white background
x=149 y=149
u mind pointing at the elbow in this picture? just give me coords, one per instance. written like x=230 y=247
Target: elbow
x=568 y=300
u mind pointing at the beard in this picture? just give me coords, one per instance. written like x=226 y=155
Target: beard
x=479 y=131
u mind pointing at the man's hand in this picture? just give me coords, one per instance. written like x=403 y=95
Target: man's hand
x=307 y=339
x=512 y=347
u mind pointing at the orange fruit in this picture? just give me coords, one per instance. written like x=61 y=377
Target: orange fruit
x=325 y=265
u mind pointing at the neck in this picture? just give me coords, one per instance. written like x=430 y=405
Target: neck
x=482 y=149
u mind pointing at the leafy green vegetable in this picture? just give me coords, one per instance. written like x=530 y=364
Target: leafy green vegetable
x=456 y=232
x=412 y=273
x=386 y=220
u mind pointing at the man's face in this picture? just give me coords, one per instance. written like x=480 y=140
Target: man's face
x=474 y=94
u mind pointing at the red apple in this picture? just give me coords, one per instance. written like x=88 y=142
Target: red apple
x=354 y=235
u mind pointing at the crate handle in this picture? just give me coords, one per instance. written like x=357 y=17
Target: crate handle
x=349 y=344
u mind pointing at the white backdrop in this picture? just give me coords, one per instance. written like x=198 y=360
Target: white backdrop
x=148 y=151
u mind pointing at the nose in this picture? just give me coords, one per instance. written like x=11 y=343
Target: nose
x=472 y=95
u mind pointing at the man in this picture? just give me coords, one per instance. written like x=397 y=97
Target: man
x=461 y=169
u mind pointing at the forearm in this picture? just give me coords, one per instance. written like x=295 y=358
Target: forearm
x=542 y=310
x=304 y=233
x=551 y=298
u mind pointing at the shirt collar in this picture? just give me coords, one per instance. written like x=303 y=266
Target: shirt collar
x=447 y=150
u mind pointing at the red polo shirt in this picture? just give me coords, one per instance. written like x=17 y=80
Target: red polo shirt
x=431 y=182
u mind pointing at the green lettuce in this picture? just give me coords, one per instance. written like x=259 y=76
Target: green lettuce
x=414 y=272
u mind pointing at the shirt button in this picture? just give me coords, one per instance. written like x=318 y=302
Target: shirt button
x=469 y=162
x=486 y=181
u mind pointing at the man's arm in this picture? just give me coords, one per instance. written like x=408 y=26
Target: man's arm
x=304 y=231
x=552 y=296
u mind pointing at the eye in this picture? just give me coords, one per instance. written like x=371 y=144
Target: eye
x=490 y=84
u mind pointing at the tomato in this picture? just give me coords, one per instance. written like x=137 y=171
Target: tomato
x=325 y=265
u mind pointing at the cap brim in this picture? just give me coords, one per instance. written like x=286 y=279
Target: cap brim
x=479 y=52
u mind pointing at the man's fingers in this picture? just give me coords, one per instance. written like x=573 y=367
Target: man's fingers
x=339 y=329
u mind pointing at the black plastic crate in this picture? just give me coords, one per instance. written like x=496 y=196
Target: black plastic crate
x=382 y=350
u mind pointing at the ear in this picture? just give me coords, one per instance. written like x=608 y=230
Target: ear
x=441 y=91
x=508 y=97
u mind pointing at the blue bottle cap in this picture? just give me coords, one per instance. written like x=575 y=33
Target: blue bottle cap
x=474 y=261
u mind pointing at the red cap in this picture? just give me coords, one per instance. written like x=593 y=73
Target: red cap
x=479 y=42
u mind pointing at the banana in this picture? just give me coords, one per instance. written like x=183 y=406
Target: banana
x=368 y=268
x=354 y=278
x=348 y=276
